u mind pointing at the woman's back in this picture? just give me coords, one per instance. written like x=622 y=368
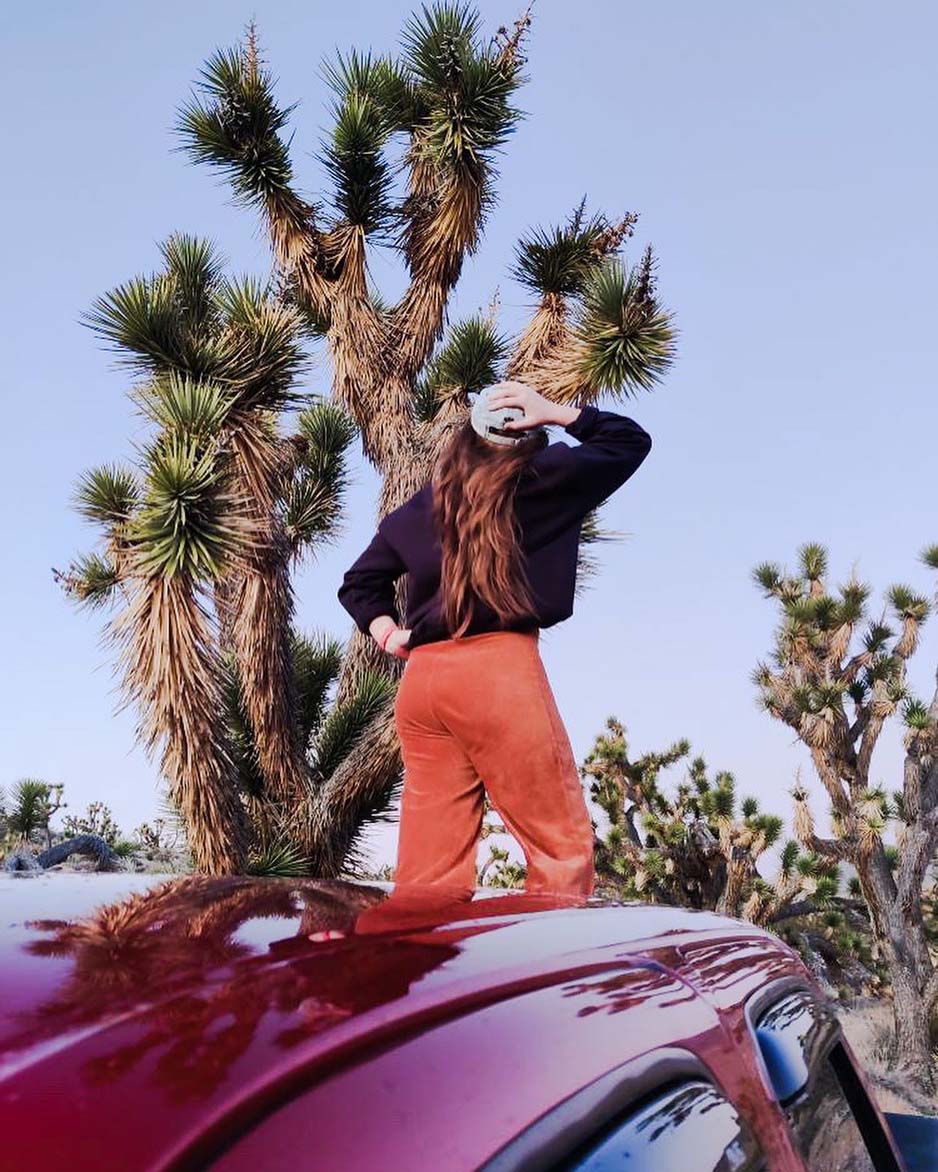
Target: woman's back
x=555 y=491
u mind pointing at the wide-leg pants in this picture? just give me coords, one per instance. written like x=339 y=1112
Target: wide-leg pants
x=477 y=715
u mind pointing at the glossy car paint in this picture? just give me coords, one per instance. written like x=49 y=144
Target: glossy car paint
x=172 y=1025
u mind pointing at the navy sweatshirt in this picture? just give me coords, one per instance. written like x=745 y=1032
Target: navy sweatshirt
x=555 y=493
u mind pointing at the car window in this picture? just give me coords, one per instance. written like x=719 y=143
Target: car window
x=833 y=1123
x=690 y=1127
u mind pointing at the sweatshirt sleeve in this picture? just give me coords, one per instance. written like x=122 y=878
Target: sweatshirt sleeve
x=367 y=589
x=611 y=448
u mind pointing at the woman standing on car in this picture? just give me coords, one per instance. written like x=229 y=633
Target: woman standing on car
x=490 y=550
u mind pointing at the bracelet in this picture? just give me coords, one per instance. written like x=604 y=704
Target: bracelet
x=383 y=643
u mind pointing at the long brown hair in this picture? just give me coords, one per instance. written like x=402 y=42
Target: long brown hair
x=474 y=486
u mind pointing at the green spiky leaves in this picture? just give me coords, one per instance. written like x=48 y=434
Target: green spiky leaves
x=282 y=859
x=259 y=350
x=719 y=800
x=194 y=267
x=789 y=856
x=929 y=556
x=916 y=716
x=91 y=580
x=327 y=431
x=184 y=525
x=341 y=729
x=185 y=406
x=354 y=157
x=853 y=599
x=876 y=637
x=188 y=320
x=471 y=356
x=468 y=361
x=907 y=604
x=139 y=318
x=314 y=494
x=233 y=122
x=107 y=495
x=560 y=260
x=449 y=89
x=768 y=576
x=165 y=321
x=769 y=826
x=316 y=665
x=461 y=86
x=628 y=340
x=812 y=559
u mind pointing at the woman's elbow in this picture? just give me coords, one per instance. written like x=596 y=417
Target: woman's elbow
x=638 y=451
x=350 y=598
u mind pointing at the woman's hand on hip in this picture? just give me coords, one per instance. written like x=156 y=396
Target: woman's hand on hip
x=390 y=637
x=397 y=641
x=538 y=410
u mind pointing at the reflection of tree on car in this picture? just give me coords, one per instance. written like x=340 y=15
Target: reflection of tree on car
x=172 y=941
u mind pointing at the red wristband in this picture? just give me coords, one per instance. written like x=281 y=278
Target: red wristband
x=384 y=642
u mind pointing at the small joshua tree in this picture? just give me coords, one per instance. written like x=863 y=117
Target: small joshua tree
x=836 y=677
x=157 y=839
x=26 y=814
x=97 y=819
x=696 y=847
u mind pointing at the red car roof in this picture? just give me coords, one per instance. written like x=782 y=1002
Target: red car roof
x=156 y=1011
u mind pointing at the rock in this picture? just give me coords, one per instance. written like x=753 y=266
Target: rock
x=22 y=862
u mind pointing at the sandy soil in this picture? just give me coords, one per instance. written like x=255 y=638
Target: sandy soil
x=868 y=1026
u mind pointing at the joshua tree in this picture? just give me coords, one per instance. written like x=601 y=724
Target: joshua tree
x=500 y=870
x=199 y=540
x=98 y=820
x=445 y=102
x=694 y=848
x=29 y=810
x=837 y=688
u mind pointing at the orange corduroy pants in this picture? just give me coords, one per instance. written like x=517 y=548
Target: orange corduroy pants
x=477 y=715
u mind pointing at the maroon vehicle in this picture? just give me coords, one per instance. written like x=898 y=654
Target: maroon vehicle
x=245 y=1024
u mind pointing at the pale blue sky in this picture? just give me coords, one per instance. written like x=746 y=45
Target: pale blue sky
x=782 y=159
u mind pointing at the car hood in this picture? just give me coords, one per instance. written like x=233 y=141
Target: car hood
x=179 y=997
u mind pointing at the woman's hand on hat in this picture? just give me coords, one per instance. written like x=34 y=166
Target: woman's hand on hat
x=537 y=409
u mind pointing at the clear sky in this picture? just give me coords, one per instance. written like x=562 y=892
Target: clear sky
x=782 y=160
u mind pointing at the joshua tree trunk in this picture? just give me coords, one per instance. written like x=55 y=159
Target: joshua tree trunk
x=905 y=949
x=171 y=669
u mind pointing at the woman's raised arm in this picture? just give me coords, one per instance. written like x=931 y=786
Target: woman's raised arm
x=611 y=448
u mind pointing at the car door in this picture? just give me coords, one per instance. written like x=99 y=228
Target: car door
x=833 y=1121
x=451 y=1095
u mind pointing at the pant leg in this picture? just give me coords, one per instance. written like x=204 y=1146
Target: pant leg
x=442 y=799
x=512 y=732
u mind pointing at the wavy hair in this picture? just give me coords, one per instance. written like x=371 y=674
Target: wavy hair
x=474 y=485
